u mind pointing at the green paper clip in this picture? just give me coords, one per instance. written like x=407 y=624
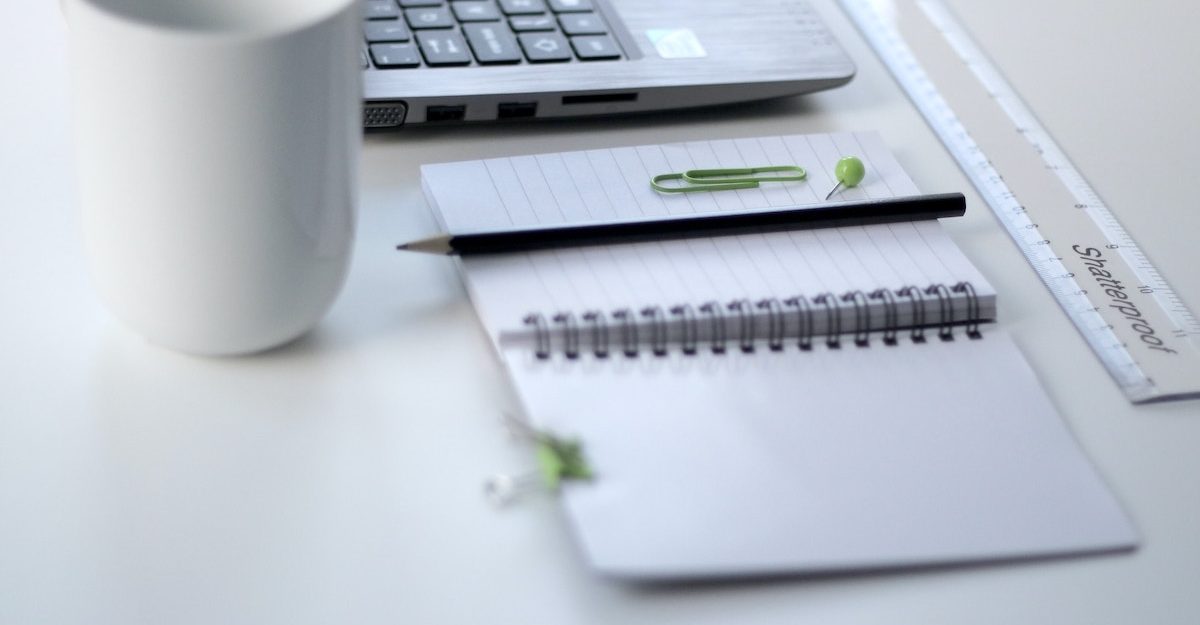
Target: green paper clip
x=697 y=180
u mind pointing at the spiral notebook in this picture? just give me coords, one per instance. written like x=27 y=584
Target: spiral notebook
x=784 y=402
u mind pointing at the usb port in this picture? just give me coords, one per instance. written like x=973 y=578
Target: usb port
x=513 y=110
x=454 y=113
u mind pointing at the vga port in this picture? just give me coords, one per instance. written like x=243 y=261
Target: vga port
x=384 y=114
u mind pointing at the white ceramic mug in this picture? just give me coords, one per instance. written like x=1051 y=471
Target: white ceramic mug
x=217 y=146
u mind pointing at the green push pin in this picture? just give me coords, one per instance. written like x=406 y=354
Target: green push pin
x=849 y=171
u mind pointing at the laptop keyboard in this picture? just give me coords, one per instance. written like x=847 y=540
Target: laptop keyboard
x=405 y=34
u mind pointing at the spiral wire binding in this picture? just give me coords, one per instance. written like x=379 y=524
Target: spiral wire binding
x=658 y=329
x=833 y=319
x=656 y=322
x=716 y=318
x=599 y=325
x=862 y=317
x=891 y=317
x=691 y=329
x=775 y=323
x=917 y=299
x=629 y=333
x=570 y=333
x=745 y=323
x=972 y=308
x=804 y=320
x=945 y=310
x=541 y=334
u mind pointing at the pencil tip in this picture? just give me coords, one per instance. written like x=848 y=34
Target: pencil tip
x=433 y=245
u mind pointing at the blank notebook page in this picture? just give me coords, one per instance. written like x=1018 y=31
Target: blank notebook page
x=592 y=185
x=830 y=459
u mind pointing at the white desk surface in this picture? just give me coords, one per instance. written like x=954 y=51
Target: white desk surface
x=338 y=480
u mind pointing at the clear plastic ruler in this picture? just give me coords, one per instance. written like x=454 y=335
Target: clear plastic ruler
x=1141 y=330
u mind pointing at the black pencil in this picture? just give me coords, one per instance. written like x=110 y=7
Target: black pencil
x=689 y=226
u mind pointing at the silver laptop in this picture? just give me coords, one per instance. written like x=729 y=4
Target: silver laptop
x=462 y=61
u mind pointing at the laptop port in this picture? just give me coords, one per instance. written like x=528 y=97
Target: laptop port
x=454 y=113
x=384 y=114
x=514 y=110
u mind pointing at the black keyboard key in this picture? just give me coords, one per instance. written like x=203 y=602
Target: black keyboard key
x=443 y=47
x=492 y=43
x=429 y=17
x=473 y=11
x=595 y=48
x=522 y=7
x=378 y=31
x=408 y=4
x=529 y=23
x=545 y=47
x=380 y=10
x=570 y=6
x=582 y=24
x=392 y=55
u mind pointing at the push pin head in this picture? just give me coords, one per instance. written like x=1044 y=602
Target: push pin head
x=849 y=171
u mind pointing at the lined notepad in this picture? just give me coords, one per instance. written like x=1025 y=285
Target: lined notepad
x=769 y=403
x=594 y=185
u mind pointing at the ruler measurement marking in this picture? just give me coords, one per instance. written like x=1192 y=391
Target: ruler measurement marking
x=1056 y=159
x=1118 y=245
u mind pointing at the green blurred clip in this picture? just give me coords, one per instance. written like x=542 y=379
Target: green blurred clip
x=696 y=180
x=561 y=459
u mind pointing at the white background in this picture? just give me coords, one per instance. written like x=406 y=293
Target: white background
x=338 y=480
